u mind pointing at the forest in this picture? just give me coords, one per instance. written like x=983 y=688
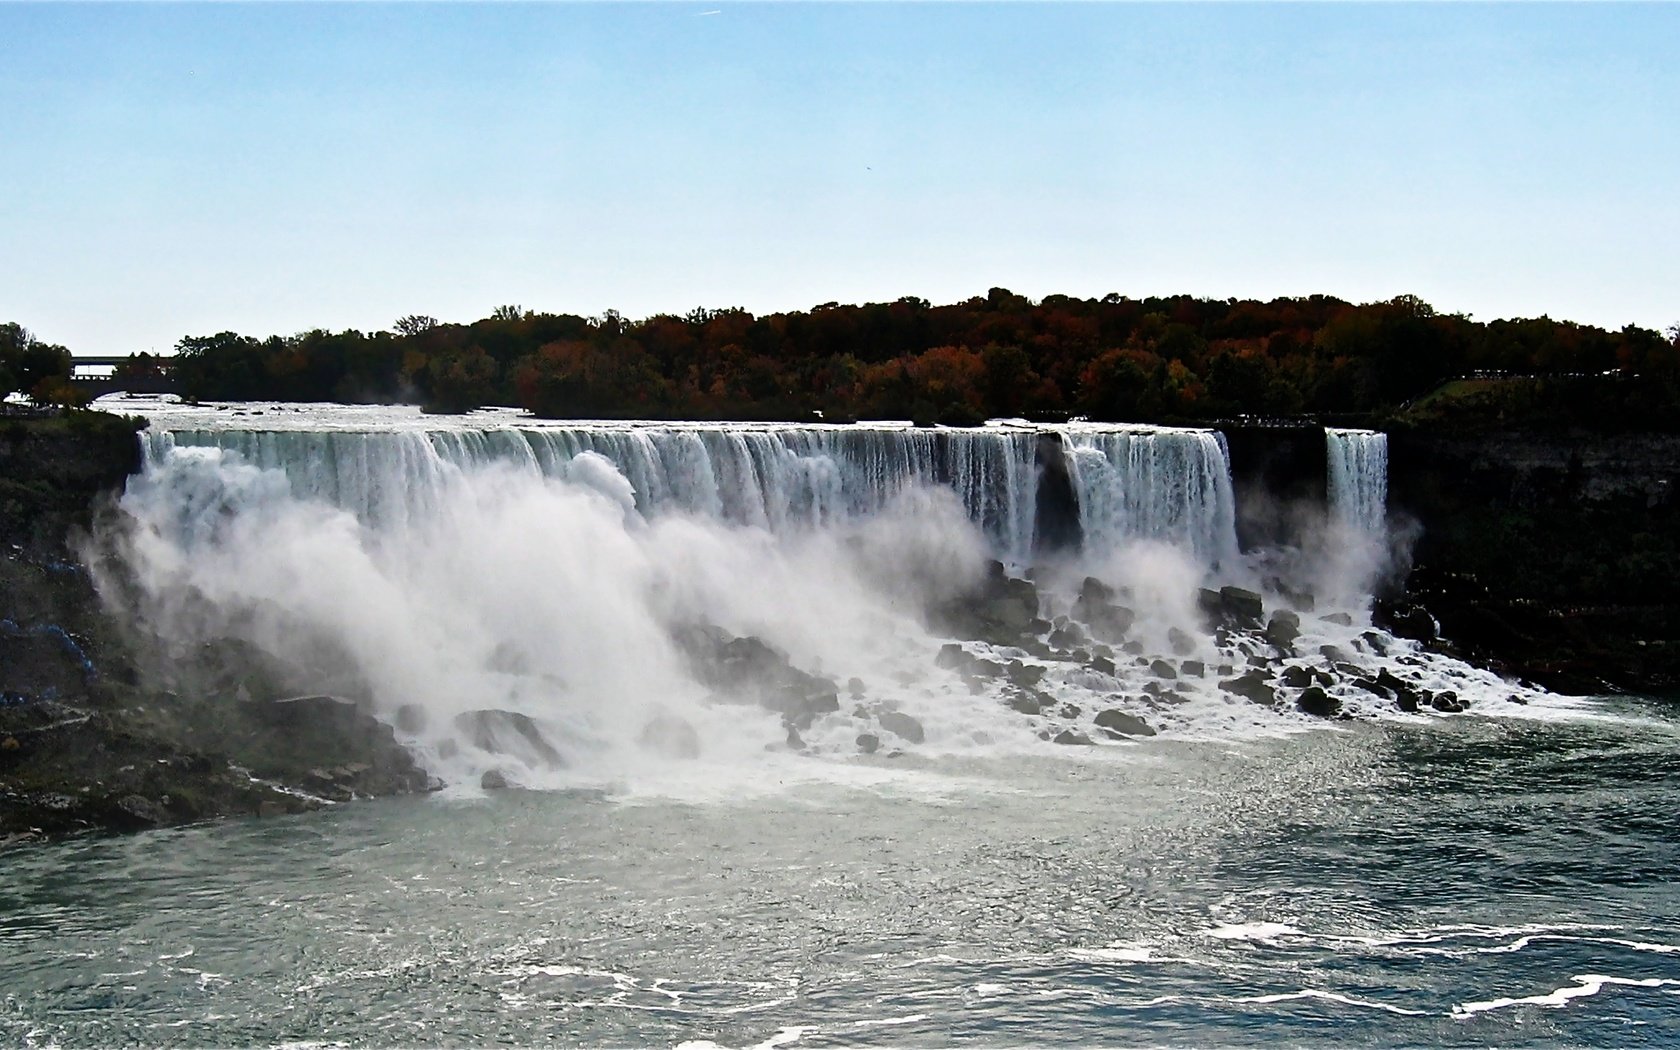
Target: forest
x=1172 y=359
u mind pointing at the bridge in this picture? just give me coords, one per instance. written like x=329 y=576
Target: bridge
x=98 y=376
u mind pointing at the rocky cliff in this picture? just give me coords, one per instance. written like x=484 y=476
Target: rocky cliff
x=85 y=742
x=1553 y=553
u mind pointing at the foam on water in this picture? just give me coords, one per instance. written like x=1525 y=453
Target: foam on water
x=437 y=568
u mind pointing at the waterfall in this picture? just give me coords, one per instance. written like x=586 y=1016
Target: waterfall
x=1154 y=483
x=1358 y=478
x=780 y=479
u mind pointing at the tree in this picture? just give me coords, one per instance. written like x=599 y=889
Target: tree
x=414 y=324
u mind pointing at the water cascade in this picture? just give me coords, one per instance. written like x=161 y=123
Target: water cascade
x=585 y=603
x=1358 y=478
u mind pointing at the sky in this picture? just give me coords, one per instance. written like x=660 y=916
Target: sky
x=175 y=170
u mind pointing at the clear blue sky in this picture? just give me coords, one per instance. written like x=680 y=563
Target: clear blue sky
x=173 y=170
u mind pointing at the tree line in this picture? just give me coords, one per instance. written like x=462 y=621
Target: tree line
x=1157 y=359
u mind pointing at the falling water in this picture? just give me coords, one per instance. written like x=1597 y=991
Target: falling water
x=1156 y=484
x=1358 y=478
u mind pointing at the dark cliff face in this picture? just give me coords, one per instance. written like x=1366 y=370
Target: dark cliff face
x=1556 y=553
x=86 y=743
x=54 y=471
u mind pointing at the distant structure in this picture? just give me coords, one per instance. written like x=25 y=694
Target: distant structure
x=135 y=374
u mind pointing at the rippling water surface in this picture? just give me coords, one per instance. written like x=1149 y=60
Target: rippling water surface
x=1465 y=882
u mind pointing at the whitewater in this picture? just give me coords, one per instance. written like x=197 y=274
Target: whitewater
x=841 y=734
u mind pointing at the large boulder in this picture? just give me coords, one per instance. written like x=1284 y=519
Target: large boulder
x=1282 y=630
x=670 y=736
x=509 y=733
x=902 y=725
x=1254 y=686
x=1315 y=701
x=1241 y=608
x=1118 y=724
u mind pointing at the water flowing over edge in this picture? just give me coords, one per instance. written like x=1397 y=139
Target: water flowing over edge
x=551 y=602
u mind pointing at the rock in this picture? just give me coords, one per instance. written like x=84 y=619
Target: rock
x=1182 y=644
x=493 y=780
x=670 y=736
x=139 y=812
x=1296 y=677
x=1118 y=723
x=1339 y=618
x=1070 y=636
x=793 y=740
x=1024 y=675
x=952 y=657
x=902 y=725
x=1449 y=703
x=1094 y=590
x=1402 y=618
x=1242 y=608
x=1315 y=701
x=1192 y=668
x=411 y=719
x=1333 y=653
x=1103 y=665
x=1282 y=630
x=1164 y=670
x=1253 y=686
x=1027 y=703
x=1300 y=601
x=868 y=743
x=1132 y=648
x=1011 y=614
x=1072 y=737
x=1212 y=608
x=854 y=687
x=508 y=733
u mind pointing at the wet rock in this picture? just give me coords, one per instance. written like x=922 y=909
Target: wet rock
x=1333 y=653
x=1315 y=701
x=1070 y=636
x=1402 y=618
x=1027 y=703
x=1448 y=702
x=1300 y=601
x=854 y=687
x=1253 y=686
x=1024 y=675
x=508 y=733
x=794 y=741
x=1118 y=723
x=1340 y=618
x=139 y=812
x=1182 y=644
x=493 y=780
x=1103 y=665
x=411 y=719
x=1241 y=607
x=868 y=743
x=1164 y=670
x=1011 y=614
x=670 y=736
x=1072 y=737
x=902 y=725
x=1133 y=648
x=1282 y=630
x=1095 y=590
